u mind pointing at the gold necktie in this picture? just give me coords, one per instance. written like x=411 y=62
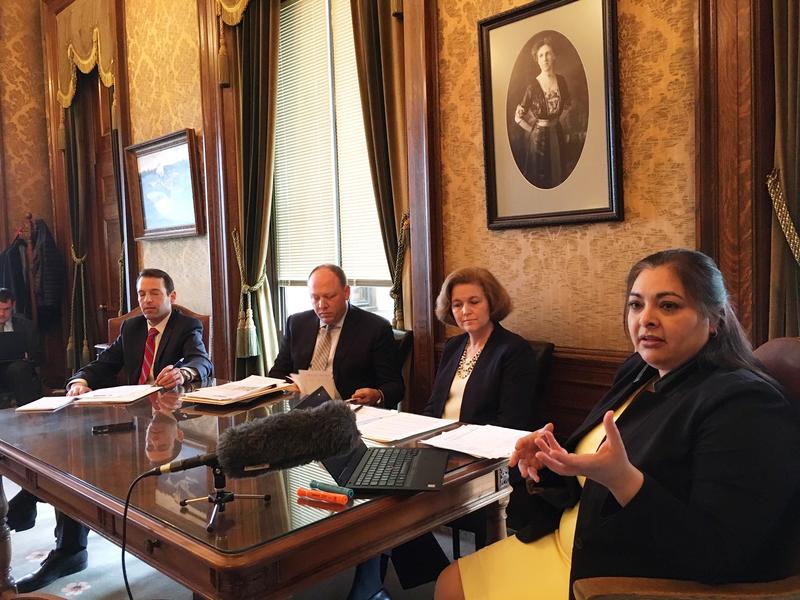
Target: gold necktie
x=322 y=351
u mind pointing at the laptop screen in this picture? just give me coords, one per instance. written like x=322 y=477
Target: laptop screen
x=341 y=467
x=12 y=345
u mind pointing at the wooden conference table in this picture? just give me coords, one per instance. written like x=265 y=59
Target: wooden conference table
x=257 y=550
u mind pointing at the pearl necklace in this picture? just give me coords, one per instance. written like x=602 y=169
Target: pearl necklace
x=465 y=365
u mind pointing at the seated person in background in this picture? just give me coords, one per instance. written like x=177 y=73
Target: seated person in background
x=148 y=348
x=488 y=374
x=19 y=376
x=355 y=345
x=687 y=469
x=359 y=349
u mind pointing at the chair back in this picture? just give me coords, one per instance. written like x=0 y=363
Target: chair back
x=115 y=323
x=543 y=358
x=781 y=359
x=404 y=340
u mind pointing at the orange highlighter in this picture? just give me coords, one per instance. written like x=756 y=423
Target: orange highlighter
x=323 y=496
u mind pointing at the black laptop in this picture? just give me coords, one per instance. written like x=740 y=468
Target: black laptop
x=12 y=345
x=383 y=469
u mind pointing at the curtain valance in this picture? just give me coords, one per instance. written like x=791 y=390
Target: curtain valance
x=85 y=38
x=231 y=11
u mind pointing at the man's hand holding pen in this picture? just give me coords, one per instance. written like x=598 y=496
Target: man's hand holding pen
x=171 y=376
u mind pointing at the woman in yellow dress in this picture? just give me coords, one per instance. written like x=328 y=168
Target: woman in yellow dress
x=688 y=468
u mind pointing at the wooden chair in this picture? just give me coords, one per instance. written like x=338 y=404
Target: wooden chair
x=781 y=358
x=115 y=325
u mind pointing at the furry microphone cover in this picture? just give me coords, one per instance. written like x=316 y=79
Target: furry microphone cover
x=289 y=439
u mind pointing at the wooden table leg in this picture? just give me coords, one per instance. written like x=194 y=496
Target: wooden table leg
x=496 y=511
x=7 y=589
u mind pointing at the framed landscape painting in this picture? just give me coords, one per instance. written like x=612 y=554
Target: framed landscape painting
x=166 y=200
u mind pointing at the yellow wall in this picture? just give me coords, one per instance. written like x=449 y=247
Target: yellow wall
x=567 y=282
x=22 y=121
x=164 y=76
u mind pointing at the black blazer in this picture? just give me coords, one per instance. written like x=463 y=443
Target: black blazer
x=501 y=388
x=366 y=354
x=720 y=453
x=182 y=338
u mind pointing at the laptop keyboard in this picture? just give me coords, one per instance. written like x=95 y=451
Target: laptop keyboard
x=386 y=467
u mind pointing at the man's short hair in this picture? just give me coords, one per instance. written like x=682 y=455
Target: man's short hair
x=6 y=295
x=335 y=269
x=159 y=274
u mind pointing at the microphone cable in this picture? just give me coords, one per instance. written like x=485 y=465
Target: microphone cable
x=125 y=530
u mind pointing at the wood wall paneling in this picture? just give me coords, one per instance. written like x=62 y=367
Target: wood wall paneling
x=735 y=129
x=221 y=200
x=421 y=64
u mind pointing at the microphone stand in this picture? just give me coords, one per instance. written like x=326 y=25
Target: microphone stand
x=221 y=497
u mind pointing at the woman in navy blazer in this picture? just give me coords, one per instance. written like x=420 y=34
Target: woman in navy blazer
x=689 y=468
x=488 y=374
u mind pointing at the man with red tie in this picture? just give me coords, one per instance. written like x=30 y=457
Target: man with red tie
x=161 y=347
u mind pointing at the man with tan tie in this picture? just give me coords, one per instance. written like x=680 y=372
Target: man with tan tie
x=162 y=347
x=356 y=346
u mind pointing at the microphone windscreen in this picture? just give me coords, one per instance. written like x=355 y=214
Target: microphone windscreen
x=289 y=439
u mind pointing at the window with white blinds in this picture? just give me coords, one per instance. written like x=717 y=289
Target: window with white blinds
x=324 y=202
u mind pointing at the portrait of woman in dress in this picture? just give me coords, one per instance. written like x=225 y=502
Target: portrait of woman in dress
x=549 y=116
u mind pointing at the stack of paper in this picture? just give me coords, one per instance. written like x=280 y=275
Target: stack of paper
x=46 y=404
x=121 y=394
x=483 y=441
x=309 y=381
x=396 y=426
x=236 y=391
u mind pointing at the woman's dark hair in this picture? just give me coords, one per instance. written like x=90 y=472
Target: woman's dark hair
x=704 y=284
x=496 y=294
x=545 y=41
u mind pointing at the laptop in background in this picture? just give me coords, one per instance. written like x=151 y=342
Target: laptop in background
x=12 y=346
x=382 y=469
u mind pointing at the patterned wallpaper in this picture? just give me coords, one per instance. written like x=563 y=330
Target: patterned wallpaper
x=567 y=282
x=164 y=76
x=22 y=115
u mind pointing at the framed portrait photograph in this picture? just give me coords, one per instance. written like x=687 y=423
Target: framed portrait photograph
x=550 y=114
x=166 y=198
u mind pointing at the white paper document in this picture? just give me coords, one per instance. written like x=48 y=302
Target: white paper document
x=309 y=381
x=366 y=413
x=236 y=391
x=46 y=404
x=400 y=425
x=483 y=441
x=120 y=394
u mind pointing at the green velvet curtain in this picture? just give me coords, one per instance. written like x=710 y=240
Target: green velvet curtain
x=378 y=37
x=79 y=147
x=257 y=53
x=784 y=182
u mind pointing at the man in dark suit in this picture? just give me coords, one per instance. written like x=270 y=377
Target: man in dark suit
x=161 y=347
x=355 y=345
x=19 y=376
x=358 y=348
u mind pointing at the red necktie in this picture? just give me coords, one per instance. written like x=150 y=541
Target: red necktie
x=149 y=351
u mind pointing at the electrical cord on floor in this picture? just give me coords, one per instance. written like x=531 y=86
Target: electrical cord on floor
x=125 y=529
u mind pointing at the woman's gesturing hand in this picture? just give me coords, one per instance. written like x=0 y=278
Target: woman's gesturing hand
x=525 y=450
x=608 y=466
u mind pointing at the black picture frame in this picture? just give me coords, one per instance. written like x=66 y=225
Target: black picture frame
x=166 y=196
x=551 y=157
